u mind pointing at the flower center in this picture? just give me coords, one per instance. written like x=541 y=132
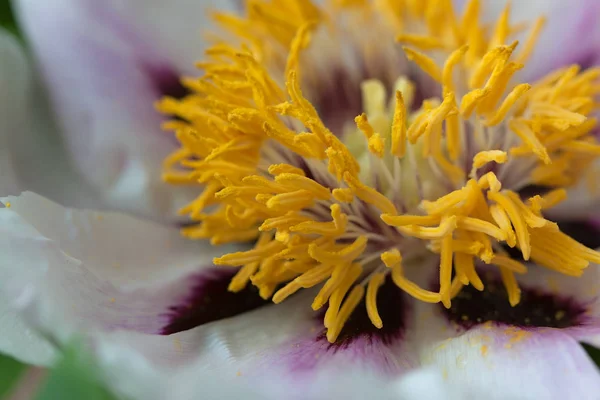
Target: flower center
x=343 y=212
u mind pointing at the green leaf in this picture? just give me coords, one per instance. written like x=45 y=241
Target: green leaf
x=73 y=378
x=10 y=372
x=7 y=19
x=593 y=352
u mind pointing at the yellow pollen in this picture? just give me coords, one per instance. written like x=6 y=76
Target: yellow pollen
x=345 y=207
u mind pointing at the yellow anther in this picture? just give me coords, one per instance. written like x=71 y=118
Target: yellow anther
x=370 y=195
x=445 y=228
x=336 y=227
x=451 y=62
x=516 y=219
x=500 y=114
x=278 y=169
x=510 y=264
x=371 y=298
x=346 y=255
x=502 y=29
x=490 y=181
x=343 y=195
x=295 y=200
x=548 y=200
x=349 y=305
x=339 y=273
x=477 y=225
x=424 y=62
x=422 y=42
x=530 y=139
x=247 y=257
x=339 y=293
x=500 y=217
x=444 y=203
x=484 y=157
x=304 y=183
x=446 y=270
x=404 y=220
x=283 y=222
x=471 y=100
x=412 y=288
x=531 y=40
x=466 y=264
x=399 y=127
x=391 y=258
x=511 y=285
x=453 y=136
x=487 y=65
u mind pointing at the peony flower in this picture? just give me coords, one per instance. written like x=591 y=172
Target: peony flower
x=417 y=203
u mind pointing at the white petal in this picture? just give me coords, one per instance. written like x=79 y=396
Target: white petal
x=70 y=270
x=19 y=340
x=497 y=363
x=31 y=156
x=428 y=383
x=103 y=80
x=254 y=350
x=585 y=291
x=507 y=362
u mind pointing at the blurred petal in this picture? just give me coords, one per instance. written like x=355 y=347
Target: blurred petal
x=31 y=157
x=15 y=80
x=22 y=341
x=571 y=34
x=114 y=61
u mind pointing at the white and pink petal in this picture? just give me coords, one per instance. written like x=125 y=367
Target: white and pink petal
x=105 y=64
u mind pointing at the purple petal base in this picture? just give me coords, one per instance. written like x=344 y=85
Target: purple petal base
x=209 y=300
x=360 y=343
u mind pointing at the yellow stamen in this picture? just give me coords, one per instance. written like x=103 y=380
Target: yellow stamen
x=371 y=299
x=399 y=127
x=425 y=63
x=321 y=196
x=484 y=157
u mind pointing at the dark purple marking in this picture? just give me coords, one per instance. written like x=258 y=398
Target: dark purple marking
x=536 y=309
x=338 y=100
x=209 y=300
x=585 y=232
x=587 y=60
x=165 y=81
x=393 y=310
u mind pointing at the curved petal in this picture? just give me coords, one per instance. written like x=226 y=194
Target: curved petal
x=116 y=279
x=526 y=362
x=571 y=34
x=511 y=365
x=115 y=59
x=251 y=350
x=70 y=270
x=31 y=156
